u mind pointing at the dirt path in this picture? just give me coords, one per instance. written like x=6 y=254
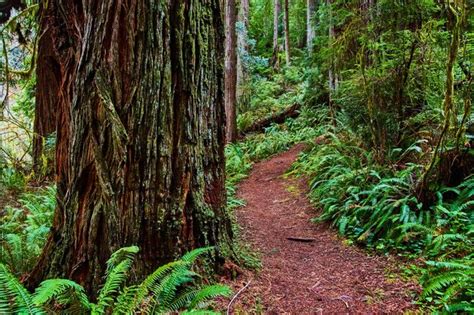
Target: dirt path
x=323 y=276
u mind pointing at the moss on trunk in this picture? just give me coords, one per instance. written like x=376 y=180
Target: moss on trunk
x=145 y=160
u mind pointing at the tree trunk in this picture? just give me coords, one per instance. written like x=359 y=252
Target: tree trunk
x=242 y=52
x=231 y=71
x=276 y=22
x=145 y=164
x=310 y=30
x=58 y=56
x=287 y=33
x=333 y=80
x=49 y=72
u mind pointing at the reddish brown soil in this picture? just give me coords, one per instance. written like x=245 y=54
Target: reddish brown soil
x=323 y=276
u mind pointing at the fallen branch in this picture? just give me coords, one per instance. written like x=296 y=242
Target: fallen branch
x=278 y=118
x=301 y=239
x=235 y=297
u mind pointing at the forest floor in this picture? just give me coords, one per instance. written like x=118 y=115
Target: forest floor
x=321 y=276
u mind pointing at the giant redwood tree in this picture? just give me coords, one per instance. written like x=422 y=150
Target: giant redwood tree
x=144 y=162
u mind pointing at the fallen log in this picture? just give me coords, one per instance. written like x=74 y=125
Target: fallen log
x=277 y=118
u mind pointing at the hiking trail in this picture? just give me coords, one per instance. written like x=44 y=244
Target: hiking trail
x=320 y=276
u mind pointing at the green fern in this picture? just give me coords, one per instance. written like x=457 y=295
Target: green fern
x=118 y=267
x=25 y=229
x=167 y=289
x=452 y=281
x=161 y=288
x=68 y=291
x=15 y=298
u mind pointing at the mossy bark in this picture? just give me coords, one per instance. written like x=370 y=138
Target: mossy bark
x=276 y=22
x=48 y=70
x=145 y=160
x=286 y=12
x=231 y=70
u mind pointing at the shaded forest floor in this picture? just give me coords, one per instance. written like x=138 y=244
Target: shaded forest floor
x=321 y=276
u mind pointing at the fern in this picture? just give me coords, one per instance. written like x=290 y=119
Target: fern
x=209 y=293
x=162 y=285
x=25 y=229
x=131 y=300
x=378 y=205
x=54 y=288
x=15 y=298
x=167 y=289
x=452 y=281
x=118 y=267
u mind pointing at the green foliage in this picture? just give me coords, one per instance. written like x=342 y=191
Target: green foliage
x=261 y=26
x=362 y=200
x=388 y=103
x=14 y=298
x=450 y=284
x=24 y=229
x=389 y=60
x=11 y=180
x=272 y=94
x=166 y=290
x=378 y=206
x=25 y=101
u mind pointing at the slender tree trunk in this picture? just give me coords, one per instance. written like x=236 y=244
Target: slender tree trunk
x=276 y=22
x=145 y=163
x=310 y=29
x=49 y=72
x=333 y=81
x=287 y=33
x=231 y=71
x=242 y=53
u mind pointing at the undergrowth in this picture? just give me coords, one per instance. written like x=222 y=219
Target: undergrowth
x=24 y=229
x=271 y=94
x=171 y=288
x=378 y=206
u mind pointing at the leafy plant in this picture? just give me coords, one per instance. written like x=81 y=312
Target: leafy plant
x=12 y=179
x=166 y=290
x=450 y=284
x=377 y=205
x=25 y=228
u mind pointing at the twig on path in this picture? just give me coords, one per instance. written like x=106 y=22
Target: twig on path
x=301 y=239
x=343 y=299
x=235 y=297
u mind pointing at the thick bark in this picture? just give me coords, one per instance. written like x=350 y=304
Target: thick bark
x=231 y=71
x=287 y=32
x=58 y=56
x=145 y=164
x=310 y=29
x=276 y=22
